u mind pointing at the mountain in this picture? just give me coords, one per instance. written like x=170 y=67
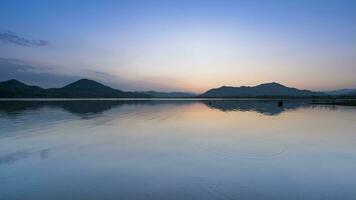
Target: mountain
x=352 y=93
x=170 y=94
x=342 y=92
x=14 y=88
x=263 y=90
x=83 y=88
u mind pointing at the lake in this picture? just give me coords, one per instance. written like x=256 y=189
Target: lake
x=176 y=149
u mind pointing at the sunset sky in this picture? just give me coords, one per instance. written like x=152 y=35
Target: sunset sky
x=180 y=45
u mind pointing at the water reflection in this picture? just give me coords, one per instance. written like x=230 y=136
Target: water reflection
x=266 y=107
x=183 y=150
x=11 y=158
x=74 y=107
x=92 y=107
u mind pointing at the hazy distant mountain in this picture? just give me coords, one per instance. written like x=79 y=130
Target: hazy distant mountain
x=263 y=90
x=352 y=93
x=83 y=88
x=170 y=94
x=342 y=92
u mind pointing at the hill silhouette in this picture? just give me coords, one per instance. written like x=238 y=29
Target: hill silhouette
x=170 y=94
x=263 y=90
x=83 y=88
x=341 y=92
x=14 y=88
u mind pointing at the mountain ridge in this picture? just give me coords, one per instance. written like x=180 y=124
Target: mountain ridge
x=340 y=92
x=158 y=94
x=261 y=90
x=86 y=88
x=83 y=88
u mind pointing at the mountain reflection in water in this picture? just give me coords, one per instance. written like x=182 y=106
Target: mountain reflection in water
x=90 y=107
x=176 y=149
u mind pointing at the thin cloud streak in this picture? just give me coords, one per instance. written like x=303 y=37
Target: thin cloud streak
x=11 y=38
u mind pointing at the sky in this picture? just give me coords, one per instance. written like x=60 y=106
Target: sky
x=185 y=45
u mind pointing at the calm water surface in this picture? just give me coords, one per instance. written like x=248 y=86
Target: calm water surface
x=176 y=150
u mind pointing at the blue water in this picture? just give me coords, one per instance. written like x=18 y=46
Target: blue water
x=176 y=149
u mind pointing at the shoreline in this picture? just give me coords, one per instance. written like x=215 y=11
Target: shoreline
x=323 y=100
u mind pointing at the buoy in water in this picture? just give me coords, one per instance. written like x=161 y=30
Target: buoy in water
x=280 y=103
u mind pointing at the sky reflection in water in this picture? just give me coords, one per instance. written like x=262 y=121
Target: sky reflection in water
x=176 y=150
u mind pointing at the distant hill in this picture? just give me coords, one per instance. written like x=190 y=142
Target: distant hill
x=170 y=94
x=342 y=92
x=83 y=88
x=352 y=93
x=14 y=88
x=263 y=90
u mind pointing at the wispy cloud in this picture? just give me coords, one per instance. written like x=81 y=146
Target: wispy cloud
x=9 y=37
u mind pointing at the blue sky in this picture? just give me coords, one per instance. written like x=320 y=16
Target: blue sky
x=180 y=45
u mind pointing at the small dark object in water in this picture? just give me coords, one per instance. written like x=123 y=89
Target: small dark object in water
x=280 y=103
